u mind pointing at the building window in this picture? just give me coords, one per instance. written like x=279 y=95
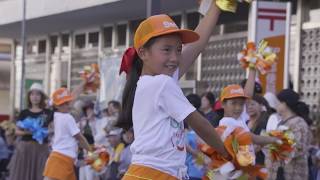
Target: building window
x=122 y=34
x=53 y=44
x=133 y=27
x=107 y=37
x=31 y=47
x=177 y=20
x=65 y=43
x=65 y=40
x=42 y=46
x=94 y=39
x=193 y=20
x=80 y=41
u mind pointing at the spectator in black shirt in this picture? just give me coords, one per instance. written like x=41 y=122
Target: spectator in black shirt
x=30 y=156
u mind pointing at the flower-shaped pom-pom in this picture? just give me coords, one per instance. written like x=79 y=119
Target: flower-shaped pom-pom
x=261 y=58
x=98 y=159
x=91 y=75
x=238 y=144
x=284 y=151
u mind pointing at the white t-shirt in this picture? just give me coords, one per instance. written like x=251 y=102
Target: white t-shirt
x=232 y=123
x=158 y=112
x=100 y=136
x=244 y=115
x=65 y=128
x=273 y=122
x=229 y=121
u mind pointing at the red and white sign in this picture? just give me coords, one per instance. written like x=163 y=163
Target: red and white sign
x=271 y=21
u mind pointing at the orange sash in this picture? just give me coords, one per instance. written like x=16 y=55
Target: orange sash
x=138 y=172
x=59 y=167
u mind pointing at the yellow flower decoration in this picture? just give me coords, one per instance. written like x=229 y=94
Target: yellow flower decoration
x=229 y=5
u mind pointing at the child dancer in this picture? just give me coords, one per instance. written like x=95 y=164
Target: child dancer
x=233 y=98
x=154 y=103
x=60 y=164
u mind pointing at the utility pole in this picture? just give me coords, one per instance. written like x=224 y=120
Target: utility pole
x=153 y=7
x=297 y=54
x=23 y=43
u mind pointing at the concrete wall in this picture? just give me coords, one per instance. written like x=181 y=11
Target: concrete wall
x=36 y=8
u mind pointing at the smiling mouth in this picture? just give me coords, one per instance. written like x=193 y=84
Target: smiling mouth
x=172 y=67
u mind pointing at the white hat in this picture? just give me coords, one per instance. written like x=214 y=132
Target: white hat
x=36 y=86
x=272 y=100
x=115 y=132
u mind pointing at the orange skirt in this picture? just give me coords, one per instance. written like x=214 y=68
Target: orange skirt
x=138 y=172
x=59 y=167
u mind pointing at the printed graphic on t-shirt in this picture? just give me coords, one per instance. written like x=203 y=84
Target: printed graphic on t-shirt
x=44 y=119
x=178 y=136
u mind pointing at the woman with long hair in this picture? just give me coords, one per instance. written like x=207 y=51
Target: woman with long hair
x=293 y=115
x=259 y=112
x=30 y=156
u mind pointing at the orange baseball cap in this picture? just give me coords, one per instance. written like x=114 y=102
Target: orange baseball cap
x=232 y=91
x=160 y=25
x=61 y=95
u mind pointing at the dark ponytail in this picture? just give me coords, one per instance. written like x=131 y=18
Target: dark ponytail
x=302 y=110
x=291 y=98
x=125 y=116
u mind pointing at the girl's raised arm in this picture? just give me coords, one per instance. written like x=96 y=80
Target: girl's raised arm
x=191 y=51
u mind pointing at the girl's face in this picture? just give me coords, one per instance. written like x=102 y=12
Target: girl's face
x=128 y=137
x=282 y=108
x=35 y=97
x=233 y=107
x=205 y=104
x=253 y=108
x=112 y=110
x=114 y=140
x=89 y=112
x=163 y=56
x=64 y=108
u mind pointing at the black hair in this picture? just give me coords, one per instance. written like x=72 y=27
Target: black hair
x=210 y=96
x=257 y=86
x=115 y=104
x=88 y=105
x=195 y=100
x=292 y=100
x=262 y=120
x=125 y=116
x=261 y=100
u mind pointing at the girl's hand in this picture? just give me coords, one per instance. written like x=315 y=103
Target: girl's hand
x=22 y=132
x=277 y=141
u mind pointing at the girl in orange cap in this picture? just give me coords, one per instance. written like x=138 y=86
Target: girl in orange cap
x=233 y=99
x=153 y=102
x=60 y=164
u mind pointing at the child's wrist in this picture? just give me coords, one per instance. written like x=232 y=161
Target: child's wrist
x=277 y=141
